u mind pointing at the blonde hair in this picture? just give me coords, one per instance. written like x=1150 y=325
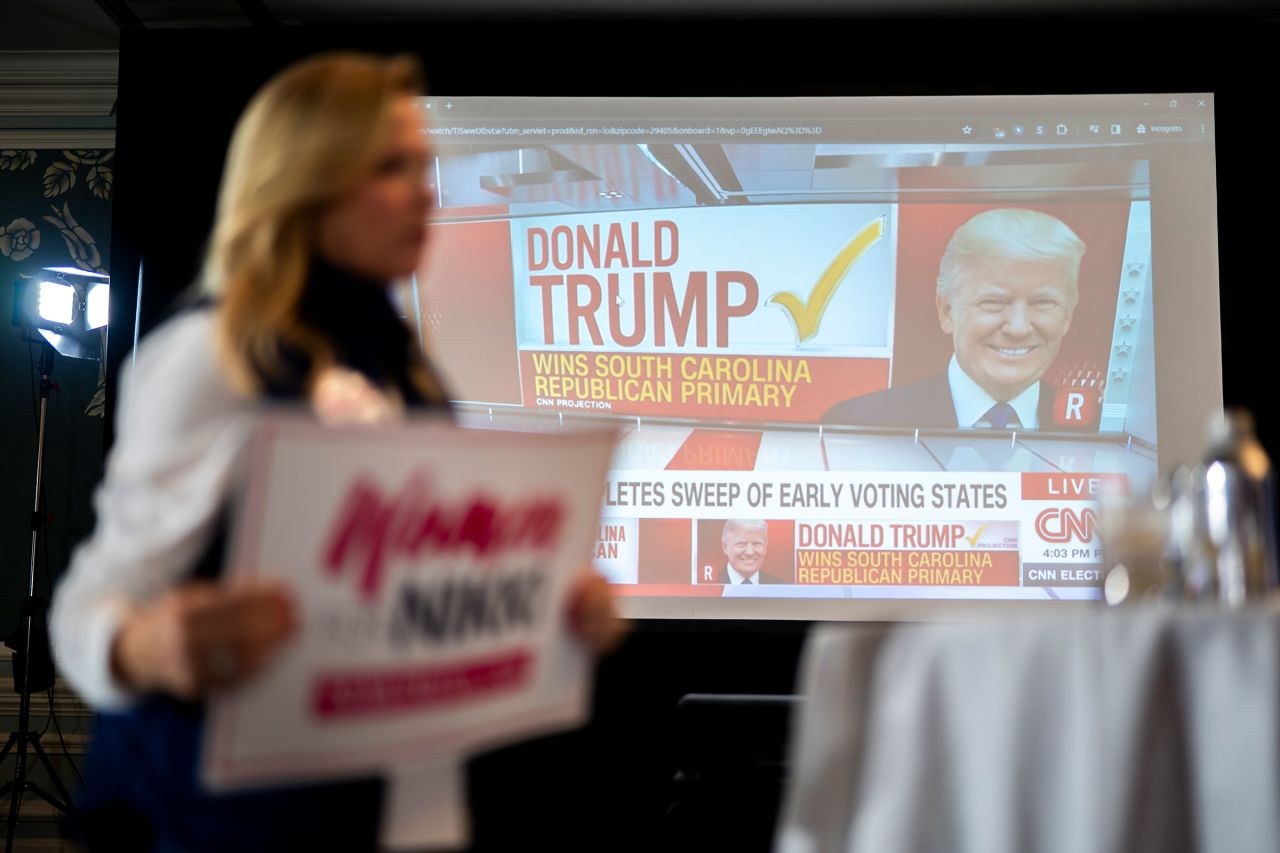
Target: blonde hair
x=312 y=133
x=1014 y=233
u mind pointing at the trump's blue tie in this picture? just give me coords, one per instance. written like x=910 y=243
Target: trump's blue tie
x=1002 y=416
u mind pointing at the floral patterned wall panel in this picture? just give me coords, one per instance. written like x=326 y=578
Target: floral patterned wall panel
x=38 y=193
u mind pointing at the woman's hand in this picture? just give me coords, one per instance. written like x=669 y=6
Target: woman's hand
x=593 y=614
x=202 y=637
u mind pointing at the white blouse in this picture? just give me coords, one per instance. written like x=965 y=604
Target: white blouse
x=181 y=430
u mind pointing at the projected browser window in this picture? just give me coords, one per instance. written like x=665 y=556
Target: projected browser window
x=858 y=348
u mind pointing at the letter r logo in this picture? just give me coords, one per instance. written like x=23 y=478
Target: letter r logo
x=1075 y=407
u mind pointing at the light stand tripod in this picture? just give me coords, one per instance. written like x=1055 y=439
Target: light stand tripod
x=32 y=608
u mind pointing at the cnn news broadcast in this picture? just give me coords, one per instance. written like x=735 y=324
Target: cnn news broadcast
x=838 y=374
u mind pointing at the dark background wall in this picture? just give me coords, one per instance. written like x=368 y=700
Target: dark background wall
x=55 y=210
x=610 y=786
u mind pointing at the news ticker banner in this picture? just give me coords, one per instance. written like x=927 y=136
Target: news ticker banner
x=757 y=313
x=431 y=567
x=660 y=532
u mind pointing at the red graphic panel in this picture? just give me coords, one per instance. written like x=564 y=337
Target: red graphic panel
x=777 y=566
x=1077 y=406
x=717 y=450
x=908 y=568
x=475 y=323
x=1072 y=487
x=922 y=349
x=665 y=545
x=716 y=387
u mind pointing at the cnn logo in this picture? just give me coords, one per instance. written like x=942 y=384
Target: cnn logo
x=1060 y=525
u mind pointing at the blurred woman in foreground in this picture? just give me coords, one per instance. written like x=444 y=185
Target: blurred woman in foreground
x=324 y=202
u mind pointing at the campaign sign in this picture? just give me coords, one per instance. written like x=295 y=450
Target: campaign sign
x=431 y=567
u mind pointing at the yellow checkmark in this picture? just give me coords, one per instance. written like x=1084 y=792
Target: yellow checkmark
x=973 y=540
x=805 y=316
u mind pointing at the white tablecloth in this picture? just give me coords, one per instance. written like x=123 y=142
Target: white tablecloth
x=1127 y=730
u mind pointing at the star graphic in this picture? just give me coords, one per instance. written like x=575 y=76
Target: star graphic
x=1122 y=350
x=1119 y=374
x=1130 y=296
x=1126 y=323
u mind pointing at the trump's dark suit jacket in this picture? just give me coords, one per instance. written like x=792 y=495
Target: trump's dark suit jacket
x=926 y=404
